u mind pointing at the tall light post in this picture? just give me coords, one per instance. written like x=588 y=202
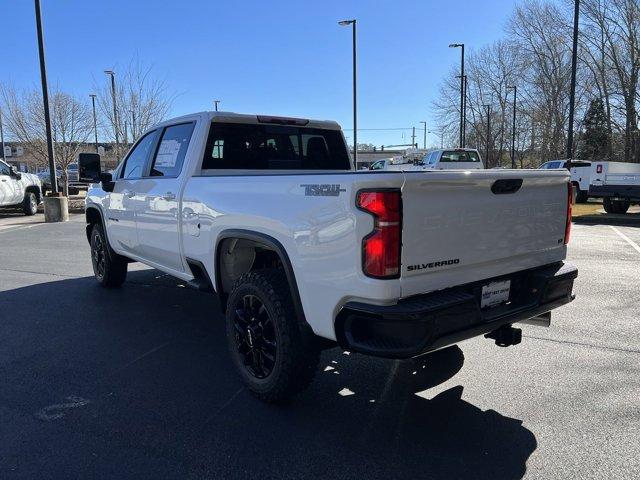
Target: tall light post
x=95 y=119
x=45 y=100
x=461 y=46
x=112 y=74
x=215 y=104
x=133 y=124
x=424 y=142
x=572 y=94
x=464 y=110
x=1 y=135
x=513 y=129
x=355 y=89
x=488 y=107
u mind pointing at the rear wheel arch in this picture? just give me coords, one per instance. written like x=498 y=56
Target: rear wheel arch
x=266 y=249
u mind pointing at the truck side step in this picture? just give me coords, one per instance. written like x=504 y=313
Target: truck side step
x=201 y=280
x=506 y=336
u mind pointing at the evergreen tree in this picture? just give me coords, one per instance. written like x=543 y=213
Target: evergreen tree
x=595 y=143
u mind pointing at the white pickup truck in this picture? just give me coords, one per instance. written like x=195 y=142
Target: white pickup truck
x=617 y=183
x=305 y=252
x=18 y=189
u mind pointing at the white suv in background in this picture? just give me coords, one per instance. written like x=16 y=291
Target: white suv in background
x=19 y=189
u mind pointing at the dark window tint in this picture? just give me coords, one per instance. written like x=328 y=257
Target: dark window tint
x=4 y=169
x=274 y=147
x=172 y=150
x=135 y=162
x=459 y=156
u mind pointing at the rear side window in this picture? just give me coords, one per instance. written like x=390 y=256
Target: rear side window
x=274 y=147
x=459 y=156
x=172 y=150
x=4 y=169
x=137 y=159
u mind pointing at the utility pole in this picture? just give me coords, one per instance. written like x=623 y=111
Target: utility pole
x=488 y=107
x=215 y=104
x=413 y=136
x=513 y=130
x=95 y=119
x=45 y=100
x=1 y=135
x=572 y=95
x=126 y=136
x=424 y=141
x=462 y=94
x=464 y=110
x=355 y=88
x=112 y=74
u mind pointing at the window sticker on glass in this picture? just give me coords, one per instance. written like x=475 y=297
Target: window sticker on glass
x=168 y=153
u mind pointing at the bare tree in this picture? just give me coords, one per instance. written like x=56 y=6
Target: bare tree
x=71 y=123
x=142 y=100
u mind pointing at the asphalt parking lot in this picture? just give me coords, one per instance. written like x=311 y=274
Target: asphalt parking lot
x=136 y=383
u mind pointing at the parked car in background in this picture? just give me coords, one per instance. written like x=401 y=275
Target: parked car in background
x=19 y=189
x=306 y=253
x=618 y=183
x=581 y=173
x=451 y=159
x=45 y=179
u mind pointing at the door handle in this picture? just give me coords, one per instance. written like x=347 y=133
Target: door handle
x=129 y=194
x=4 y=179
x=169 y=196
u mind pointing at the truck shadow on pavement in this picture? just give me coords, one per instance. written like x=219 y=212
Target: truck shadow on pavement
x=136 y=383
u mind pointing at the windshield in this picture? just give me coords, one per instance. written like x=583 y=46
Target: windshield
x=459 y=156
x=274 y=147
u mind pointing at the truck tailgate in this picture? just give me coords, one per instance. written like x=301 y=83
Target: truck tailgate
x=464 y=226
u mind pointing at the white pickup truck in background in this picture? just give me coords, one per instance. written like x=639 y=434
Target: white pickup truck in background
x=19 y=189
x=581 y=173
x=304 y=252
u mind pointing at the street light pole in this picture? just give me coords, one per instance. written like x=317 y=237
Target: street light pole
x=215 y=104
x=112 y=74
x=513 y=130
x=572 y=95
x=45 y=100
x=95 y=119
x=488 y=107
x=424 y=142
x=355 y=89
x=462 y=92
x=133 y=125
x=1 y=135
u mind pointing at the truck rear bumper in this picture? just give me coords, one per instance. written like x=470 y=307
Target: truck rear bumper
x=631 y=192
x=424 y=323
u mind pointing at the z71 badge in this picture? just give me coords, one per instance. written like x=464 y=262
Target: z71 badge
x=322 y=190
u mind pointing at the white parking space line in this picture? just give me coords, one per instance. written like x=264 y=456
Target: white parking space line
x=626 y=239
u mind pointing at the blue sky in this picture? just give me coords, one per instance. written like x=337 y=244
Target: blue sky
x=278 y=57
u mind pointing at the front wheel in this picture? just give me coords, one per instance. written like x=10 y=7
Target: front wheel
x=274 y=357
x=581 y=196
x=109 y=268
x=30 y=204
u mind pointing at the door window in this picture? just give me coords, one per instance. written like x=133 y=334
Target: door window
x=172 y=150
x=4 y=169
x=137 y=159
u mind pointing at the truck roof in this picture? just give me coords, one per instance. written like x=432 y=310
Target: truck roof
x=255 y=119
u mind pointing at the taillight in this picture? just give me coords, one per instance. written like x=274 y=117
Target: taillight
x=381 y=248
x=567 y=228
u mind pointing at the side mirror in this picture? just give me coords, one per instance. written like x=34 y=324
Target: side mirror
x=15 y=173
x=106 y=179
x=89 y=170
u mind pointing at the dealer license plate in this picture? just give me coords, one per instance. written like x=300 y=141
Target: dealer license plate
x=495 y=293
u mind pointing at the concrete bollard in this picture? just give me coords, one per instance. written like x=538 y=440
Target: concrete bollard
x=56 y=209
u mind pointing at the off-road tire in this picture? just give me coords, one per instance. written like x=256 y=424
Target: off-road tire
x=296 y=353
x=615 y=206
x=30 y=204
x=109 y=268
